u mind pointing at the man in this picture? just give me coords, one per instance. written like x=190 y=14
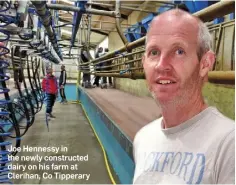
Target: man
x=62 y=83
x=50 y=88
x=97 y=66
x=191 y=143
x=86 y=76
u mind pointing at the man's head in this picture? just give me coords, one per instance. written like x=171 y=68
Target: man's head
x=63 y=67
x=178 y=57
x=49 y=71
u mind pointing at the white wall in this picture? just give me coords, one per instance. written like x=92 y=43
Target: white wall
x=103 y=44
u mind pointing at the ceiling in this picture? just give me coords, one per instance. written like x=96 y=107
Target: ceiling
x=101 y=26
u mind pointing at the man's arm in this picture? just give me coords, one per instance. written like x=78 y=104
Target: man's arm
x=225 y=164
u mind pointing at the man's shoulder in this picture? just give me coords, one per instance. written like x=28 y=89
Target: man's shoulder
x=220 y=121
x=152 y=127
x=215 y=126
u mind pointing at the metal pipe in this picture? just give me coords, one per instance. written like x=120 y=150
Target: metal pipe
x=135 y=75
x=119 y=30
x=85 y=31
x=109 y=22
x=129 y=46
x=116 y=31
x=213 y=75
x=77 y=9
x=77 y=17
x=223 y=24
x=211 y=11
x=216 y=10
x=232 y=53
x=122 y=7
x=19 y=40
x=221 y=75
x=123 y=63
x=101 y=4
x=46 y=18
x=107 y=60
x=137 y=9
x=80 y=46
x=89 y=34
x=112 y=6
x=129 y=69
x=89 y=27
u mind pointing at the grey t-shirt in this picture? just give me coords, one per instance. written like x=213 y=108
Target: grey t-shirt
x=198 y=151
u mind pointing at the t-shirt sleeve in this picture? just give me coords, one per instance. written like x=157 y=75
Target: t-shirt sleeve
x=225 y=164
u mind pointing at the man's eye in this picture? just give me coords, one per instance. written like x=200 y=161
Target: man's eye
x=179 y=52
x=154 y=52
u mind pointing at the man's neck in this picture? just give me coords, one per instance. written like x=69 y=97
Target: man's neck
x=175 y=115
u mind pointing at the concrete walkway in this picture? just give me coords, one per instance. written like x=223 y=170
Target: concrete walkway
x=70 y=131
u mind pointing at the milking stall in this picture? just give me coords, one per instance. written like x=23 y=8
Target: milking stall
x=93 y=51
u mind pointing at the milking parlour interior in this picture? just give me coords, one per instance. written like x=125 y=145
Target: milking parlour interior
x=117 y=92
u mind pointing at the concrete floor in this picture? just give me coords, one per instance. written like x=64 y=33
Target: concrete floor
x=72 y=130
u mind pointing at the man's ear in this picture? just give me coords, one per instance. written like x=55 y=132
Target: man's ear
x=207 y=63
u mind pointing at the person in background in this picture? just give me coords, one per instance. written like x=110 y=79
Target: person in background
x=62 y=83
x=192 y=143
x=98 y=66
x=50 y=88
x=86 y=76
x=108 y=63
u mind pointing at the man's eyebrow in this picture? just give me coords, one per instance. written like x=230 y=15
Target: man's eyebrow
x=179 y=44
x=174 y=44
x=152 y=45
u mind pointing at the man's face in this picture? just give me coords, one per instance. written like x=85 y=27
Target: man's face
x=49 y=71
x=171 y=64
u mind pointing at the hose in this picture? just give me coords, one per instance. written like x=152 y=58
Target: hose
x=34 y=93
x=37 y=82
x=28 y=97
x=21 y=100
x=4 y=113
x=100 y=143
x=41 y=95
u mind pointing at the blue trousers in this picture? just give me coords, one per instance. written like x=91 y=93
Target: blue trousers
x=50 y=100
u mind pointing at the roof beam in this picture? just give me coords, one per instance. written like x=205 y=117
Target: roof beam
x=99 y=32
x=123 y=16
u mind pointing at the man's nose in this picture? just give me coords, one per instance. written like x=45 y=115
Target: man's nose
x=163 y=64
